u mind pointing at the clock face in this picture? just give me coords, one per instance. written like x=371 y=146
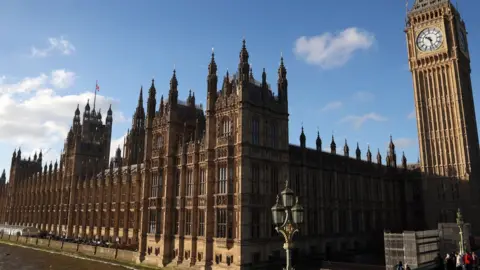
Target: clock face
x=430 y=39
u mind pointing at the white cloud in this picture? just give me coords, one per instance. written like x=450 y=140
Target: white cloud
x=330 y=50
x=363 y=96
x=62 y=79
x=332 y=106
x=26 y=85
x=403 y=143
x=412 y=115
x=358 y=120
x=36 y=116
x=60 y=45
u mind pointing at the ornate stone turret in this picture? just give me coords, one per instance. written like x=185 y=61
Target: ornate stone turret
x=282 y=82
x=303 y=139
x=404 y=161
x=319 y=142
x=151 y=102
x=346 y=149
x=379 y=157
x=358 y=152
x=243 y=66
x=392 y=156
x=333 y=146
x=369 y=155
x=212 y=81
x=173 y=92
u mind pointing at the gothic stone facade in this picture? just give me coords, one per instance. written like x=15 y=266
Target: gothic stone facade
x=195 y=187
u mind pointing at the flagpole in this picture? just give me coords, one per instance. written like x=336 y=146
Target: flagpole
x=95 y=95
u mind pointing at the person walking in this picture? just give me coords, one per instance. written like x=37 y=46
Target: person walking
x=399 y=266
x=468 y=261
x=474 y=261
x=459 y=261
x=450 y=262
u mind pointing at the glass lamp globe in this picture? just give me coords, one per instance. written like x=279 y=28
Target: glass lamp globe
x=297 y=213
x=287 y=196
x=278 y=212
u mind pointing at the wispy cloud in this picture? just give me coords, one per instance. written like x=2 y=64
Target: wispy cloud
x=357 y=121
x=332 y=106
x=332 y=50
x=363 y=96
x=412 y=115
x=404 y=143
x=60 y=45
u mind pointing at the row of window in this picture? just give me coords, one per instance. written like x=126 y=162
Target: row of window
x=224 y=221
x=224 y=183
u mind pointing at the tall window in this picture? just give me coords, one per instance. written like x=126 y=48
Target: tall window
x=342 y=221
x=121 y=219
x=131 y=219
x=190 y=183
x=273 y=135
x=255 y=225
x=255 y=131
x=201 y=223
x=188 y=222
x=221 y=223
x=152 y=221
x=160 y=141
x=274 y=176
x=328 y=221
x=154 y=187
x=230 y=179
x=226 y=127
x=222 y=180
x=160 y=183
x=176 y=222
x=133 y=191
x=202 y=182
x=123 y=197
x=255 y=179
x=177 y=183
x=297 y=183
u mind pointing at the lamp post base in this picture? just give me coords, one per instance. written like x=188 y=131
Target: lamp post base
x=288 y=247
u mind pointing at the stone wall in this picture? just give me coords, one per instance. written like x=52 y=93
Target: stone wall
x=122 y=256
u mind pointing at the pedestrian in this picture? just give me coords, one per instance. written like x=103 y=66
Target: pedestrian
x=399 y=266
x=407 y=267
x=475 y=260
x=468 y=261
x=449 y=262
x=459 y=261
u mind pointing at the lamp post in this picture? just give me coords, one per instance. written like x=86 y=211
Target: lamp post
x=287 y=216
x=460 y=224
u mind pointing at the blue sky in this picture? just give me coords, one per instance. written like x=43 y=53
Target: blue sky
x=357 y=85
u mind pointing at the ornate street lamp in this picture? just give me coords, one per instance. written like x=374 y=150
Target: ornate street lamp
x=460 y=224
x=286 y=218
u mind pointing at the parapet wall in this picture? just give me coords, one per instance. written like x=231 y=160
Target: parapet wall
x=111 y=254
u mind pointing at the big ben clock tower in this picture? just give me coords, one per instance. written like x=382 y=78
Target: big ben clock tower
x=447 y=130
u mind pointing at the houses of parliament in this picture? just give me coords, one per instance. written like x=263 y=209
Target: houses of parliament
x=195 y=186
